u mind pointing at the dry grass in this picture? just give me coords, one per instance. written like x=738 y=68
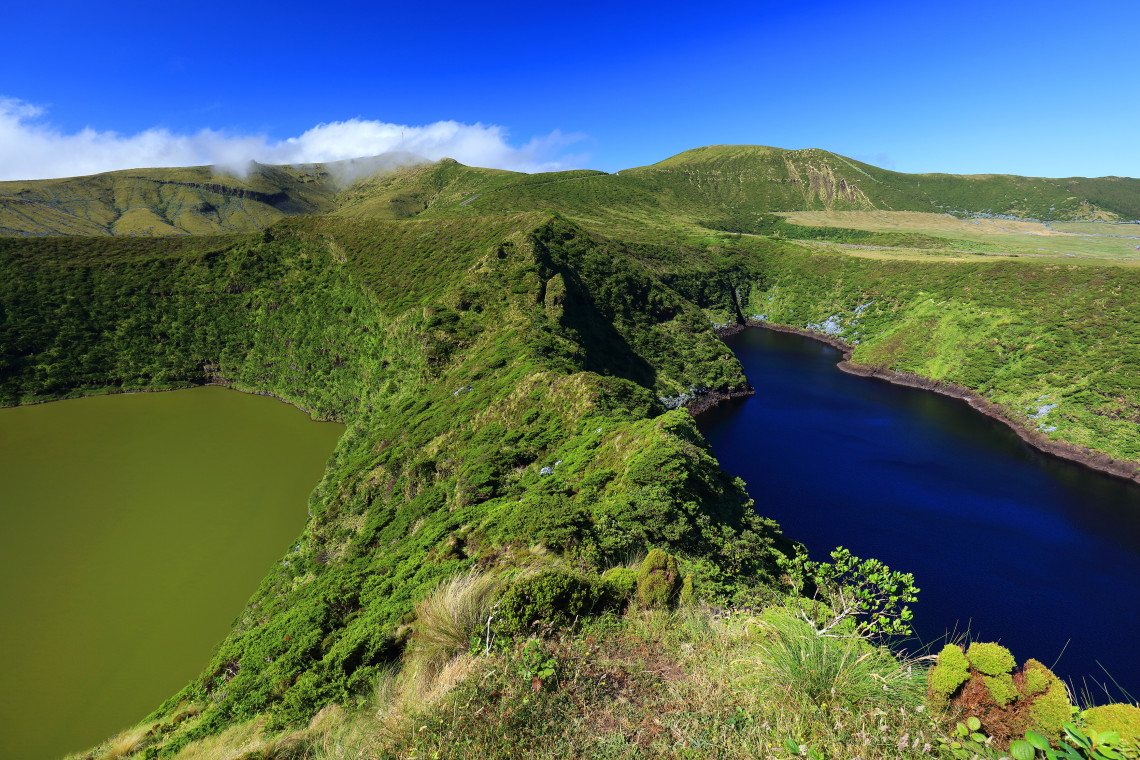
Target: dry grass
x=698 y=682
x=229 y=744
x=916 y=221
x=1130 y=230
x=1059 y=239
x=126 y=743
x=446 y=622
x=693 y=682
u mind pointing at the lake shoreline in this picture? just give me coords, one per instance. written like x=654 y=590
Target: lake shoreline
x=116 y=391
x=710 y=400
x=1095 y=460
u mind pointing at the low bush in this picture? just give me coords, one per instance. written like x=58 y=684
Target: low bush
x=549 y=600
x=620 y=582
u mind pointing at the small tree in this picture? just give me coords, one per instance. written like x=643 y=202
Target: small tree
x=864 y=593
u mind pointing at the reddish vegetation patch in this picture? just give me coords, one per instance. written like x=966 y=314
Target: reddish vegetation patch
x=1002 y=723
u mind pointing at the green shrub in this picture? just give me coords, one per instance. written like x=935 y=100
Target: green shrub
x=1121 y=718
x=990 y=659
x=543 y=517
x=951 y=671
x=620 y=582
x=863 y=591
x=549 y=600
x=688 y=596
x=658 y=580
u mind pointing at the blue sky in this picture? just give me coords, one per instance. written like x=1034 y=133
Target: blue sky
x=1045 y=89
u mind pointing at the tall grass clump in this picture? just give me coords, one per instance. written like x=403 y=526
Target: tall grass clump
x=127 y=743
x=447 y=620
x=820 y=671
x=836 y=690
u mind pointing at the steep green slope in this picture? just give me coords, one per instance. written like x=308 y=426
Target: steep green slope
x=505 y=406
x=505 y=372
x=1056 y=347
x=504 y=380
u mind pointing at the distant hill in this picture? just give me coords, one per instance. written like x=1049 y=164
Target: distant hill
x=719 y=187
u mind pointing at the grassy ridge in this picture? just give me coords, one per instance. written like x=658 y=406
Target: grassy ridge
x=718 y=187
x=541 y=348
x=158 y=202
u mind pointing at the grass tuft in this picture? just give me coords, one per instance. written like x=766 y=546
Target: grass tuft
x=447 y=620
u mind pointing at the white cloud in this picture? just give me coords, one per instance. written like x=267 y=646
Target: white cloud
x=33 y=149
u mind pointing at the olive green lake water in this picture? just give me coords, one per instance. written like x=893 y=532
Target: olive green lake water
x=135 y=527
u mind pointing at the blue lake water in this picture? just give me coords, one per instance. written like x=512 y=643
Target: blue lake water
x=1019 y=547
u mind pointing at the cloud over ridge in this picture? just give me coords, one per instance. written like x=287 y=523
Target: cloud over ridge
x=31 y=149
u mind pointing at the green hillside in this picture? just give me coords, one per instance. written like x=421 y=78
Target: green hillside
x=156 y=202
x=522 y=531
x=719 y=187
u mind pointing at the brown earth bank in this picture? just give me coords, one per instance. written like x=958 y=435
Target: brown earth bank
x=223 y=383
x=1120 y=468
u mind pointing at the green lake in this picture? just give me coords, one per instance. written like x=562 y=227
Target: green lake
x=136 y=526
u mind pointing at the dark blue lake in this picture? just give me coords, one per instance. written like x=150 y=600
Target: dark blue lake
x=1012 y=544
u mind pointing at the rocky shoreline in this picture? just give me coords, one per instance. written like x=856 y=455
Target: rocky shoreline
x=1124 y=469
x=712 y=399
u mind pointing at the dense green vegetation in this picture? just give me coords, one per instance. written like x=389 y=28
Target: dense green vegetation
x=506 y=352
x=509 y=403
x=1056 y=346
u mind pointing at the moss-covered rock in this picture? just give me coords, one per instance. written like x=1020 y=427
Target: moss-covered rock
x=1123 y=719
x=621 y=582
x=1036 y=678
x=1050 y=709
x=1001 y=688
x=658 y=580
x=950 y=672
x=688 y=595
x=982 y=683
x=989 y=658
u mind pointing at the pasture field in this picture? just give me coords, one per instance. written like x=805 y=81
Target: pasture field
x=1055 y=239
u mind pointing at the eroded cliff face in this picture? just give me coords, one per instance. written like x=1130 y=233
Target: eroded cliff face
x=820 y=187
